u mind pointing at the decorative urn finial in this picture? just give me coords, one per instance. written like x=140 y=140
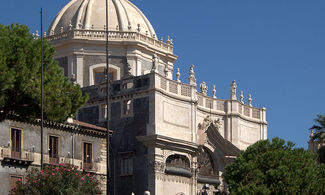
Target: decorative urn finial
x=241 y=97
x=178 y=75
x=250 y=100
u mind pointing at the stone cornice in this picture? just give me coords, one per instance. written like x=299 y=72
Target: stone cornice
x=168 y=143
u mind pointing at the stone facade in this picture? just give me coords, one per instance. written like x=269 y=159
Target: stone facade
x=71 y=138
x=168 y=137
x=168 y=118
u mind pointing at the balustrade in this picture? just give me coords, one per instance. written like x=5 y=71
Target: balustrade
x=117 y=35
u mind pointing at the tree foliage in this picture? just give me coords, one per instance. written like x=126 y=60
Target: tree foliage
x=319 y=135
x=20 y=79
x=64 y=179
x=275 y=168
x=321 y=154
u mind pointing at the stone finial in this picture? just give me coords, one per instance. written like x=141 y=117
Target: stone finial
x=168 y=40
x=70 y=25
x=178 y=75
x=139 y=28
x=233 y=90
x=241 y=97
x=36 y=35
x=191 y=77
x=171 y=42
x=162 y=39
x=61 y=29
x=44 y=34
x=204 y=88
x=129 y=25
x=250 y=100
x=155 y=62
x=214 y=91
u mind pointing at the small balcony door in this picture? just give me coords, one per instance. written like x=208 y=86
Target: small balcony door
x=16 y=143
x=54 y=150
x=87 y=165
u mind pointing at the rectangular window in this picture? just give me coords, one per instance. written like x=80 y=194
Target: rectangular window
x=54 y=149
x=16 y=143
x=13 y=181
x=127 y=107
x=103 y=111
x=87 y=165
x=126 y=166
x=99 y=75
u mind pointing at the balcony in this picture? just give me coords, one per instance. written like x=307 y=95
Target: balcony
x=23 y=157
x=90 y=167
x=54 y=160
x=87 y=166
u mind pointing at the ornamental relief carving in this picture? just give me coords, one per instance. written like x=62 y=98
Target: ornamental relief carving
x=157 y=166
x=207 y=121
x=205 y=163
x=178 y=161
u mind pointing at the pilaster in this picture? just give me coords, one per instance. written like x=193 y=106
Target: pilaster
x=78 y=68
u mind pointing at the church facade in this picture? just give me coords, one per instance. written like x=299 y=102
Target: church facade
x=169 y=137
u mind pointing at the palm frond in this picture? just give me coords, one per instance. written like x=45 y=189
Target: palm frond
x=316 y=127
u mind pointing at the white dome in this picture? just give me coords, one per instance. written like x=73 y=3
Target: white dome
x=90 y=14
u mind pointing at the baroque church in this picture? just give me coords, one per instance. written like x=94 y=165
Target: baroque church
x=169 y=136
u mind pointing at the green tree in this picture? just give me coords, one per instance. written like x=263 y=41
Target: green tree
x=275 y=168
x=20 y=79
x=64 y=179
x=319 y=135
x=321 y=154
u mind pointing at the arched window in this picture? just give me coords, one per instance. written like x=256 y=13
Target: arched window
x=179 y=161
x=97 y=73
x=178 y=165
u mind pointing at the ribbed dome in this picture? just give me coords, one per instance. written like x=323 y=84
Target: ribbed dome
x=90 y=14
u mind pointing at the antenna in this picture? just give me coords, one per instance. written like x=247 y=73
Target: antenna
x=42 y=100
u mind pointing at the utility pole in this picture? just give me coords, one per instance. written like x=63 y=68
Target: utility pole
x=42 y=100
x=107 y=104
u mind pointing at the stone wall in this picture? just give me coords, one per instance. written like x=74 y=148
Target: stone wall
x=125 y=145
x=31 y=149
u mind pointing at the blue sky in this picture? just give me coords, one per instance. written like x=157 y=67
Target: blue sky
x=274 y=49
